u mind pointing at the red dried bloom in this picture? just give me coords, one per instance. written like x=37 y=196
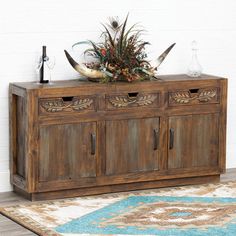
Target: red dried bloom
x=103 y=51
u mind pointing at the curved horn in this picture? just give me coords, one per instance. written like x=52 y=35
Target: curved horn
x=161 y=58
x=83 y=70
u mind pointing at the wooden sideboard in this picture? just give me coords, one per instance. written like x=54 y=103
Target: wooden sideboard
x=74 y=138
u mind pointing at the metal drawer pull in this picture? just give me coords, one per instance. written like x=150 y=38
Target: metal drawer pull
x=156 y=139
x=93 y=144
x=172 y=133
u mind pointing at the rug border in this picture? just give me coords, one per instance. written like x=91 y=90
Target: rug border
x=28 y=224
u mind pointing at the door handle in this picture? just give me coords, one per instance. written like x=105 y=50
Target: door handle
x=172 y=134
x=156 y=139
x=93 y=144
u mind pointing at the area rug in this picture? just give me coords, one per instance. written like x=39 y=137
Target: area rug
x=202 y=210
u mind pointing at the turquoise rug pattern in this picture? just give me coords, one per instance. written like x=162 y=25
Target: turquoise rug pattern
x=198 y=210
x=154 y=215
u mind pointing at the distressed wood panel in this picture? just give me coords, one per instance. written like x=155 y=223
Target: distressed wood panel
x=205 y=151
x=20 y=136
x=196 y=141
x=180 y=152
x=65 y=152
x=130 y=145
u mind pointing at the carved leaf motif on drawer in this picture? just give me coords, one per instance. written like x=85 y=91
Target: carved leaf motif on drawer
x=53 y=106
x=206 y=95
x=185 y=97
x=60 y=105
x=81 y=104
x=181 y=97
x=144 y=100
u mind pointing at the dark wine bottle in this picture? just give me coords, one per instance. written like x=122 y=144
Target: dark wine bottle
x=42 y=69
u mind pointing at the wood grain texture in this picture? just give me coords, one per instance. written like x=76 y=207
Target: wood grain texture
x=222 y=126
x=131 y=177
x=205 y=144
x=107 y=145
x=20 y=140
x=32 y=144
x=17 y=128
x=12 y=132
x=130 y=145
x=65 y=152
x=196 y=141
x=123 y=187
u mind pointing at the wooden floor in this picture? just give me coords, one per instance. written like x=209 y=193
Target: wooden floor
x=10 y=228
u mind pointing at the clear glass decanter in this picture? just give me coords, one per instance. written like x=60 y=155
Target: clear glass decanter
x=194 y=68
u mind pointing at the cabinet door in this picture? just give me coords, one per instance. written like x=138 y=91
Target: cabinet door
x=193 y=141
x=67 y=151
x=132 y=145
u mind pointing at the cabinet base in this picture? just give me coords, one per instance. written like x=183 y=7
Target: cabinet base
x=67 y=193
x=116 y=188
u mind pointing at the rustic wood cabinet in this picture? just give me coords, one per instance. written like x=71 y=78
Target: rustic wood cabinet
x=74 y=138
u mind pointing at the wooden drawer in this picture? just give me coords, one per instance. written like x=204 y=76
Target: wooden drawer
x=66 y=104
x=194 y=96
x=131 y=100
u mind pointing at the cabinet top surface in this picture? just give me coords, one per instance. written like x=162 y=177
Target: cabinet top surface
x=84 y=82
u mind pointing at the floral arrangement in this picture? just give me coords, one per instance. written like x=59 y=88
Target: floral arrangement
x=120 y=57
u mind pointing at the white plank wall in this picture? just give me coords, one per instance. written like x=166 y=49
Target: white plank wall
x=26 y=25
